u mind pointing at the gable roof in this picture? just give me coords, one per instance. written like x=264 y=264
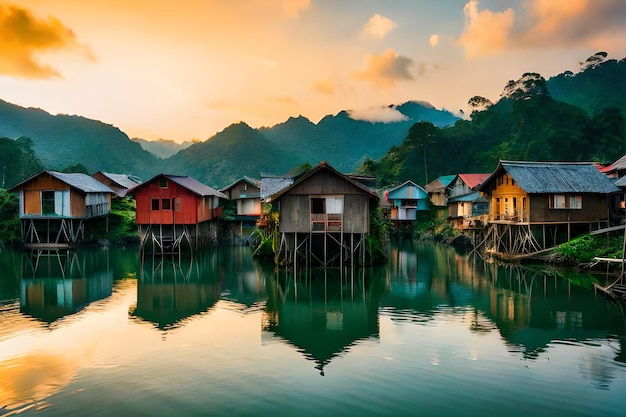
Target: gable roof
x=439 y=185
x=473 y=180
x=82 y=182
x=246 y=179
x=554 y=177
x=618 y=165
x=405 y=195
x=188 y=183
x=324 y=166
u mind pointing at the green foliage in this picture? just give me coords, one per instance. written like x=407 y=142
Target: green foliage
x=9 y=217
x=122 y=224
x=583 y=249
x=17 y=161
x=380 y=226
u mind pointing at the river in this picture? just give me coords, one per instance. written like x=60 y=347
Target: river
x=103 y=332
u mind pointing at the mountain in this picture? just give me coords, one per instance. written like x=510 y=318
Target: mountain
x=232 y=153
x=62 y=140
x=598 y=86
x=163 y=148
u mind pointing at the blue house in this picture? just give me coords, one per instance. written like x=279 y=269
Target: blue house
x=406 y=199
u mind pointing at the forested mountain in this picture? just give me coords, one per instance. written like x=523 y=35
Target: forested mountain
x=598 y=86
x=568 y=117
x=61 y=141
x=163 y=148
x=17 y=161
x=527 y=123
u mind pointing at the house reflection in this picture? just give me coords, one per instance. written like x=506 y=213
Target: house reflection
x=324 y=313
x=170 y=290
x=56 y=283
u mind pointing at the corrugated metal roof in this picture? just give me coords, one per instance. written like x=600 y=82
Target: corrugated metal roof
x=122 y=180
x=473 y=180
x=195 y=186
x=473 y=197
x=83 y=182
x=556 y=177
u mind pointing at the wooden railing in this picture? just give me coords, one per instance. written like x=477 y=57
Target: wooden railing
x=321 y=222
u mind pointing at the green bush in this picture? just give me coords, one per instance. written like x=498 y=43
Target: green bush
x=583 y=249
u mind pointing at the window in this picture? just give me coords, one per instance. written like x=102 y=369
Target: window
x=155 y=204
x=563 y=201
x=162 y=183
x=166 y=204
x=47 y=202
x=317 y=206
x=177 y=204
x=334 y=205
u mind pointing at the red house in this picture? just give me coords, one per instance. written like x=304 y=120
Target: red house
x=173 y=209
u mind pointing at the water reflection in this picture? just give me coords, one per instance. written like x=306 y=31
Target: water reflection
x=325 y=312
x=170 y=290
x=56 y=283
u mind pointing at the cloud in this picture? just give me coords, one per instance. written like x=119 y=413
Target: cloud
x=486 y=32
x=433 y=40
x=378 y=114
x=378 y=27
x=542 y=24
x=385 y=69
x=23 y=37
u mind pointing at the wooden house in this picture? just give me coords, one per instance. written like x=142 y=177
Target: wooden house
x=406 y=199
x=324 y=218
x=537 y=205
x=55 y=207
x=173 y=209
x=437 y=190
x=119 y=183
x=245 y=193
x=467 y=209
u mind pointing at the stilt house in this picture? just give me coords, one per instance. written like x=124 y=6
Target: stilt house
x=246 y=195
x=467 y=208
x=324 y=218
x=55 y=207
x=406 y=199
x=173 y=209
x=537 y=205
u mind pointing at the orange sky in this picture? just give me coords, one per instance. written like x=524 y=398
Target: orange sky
x=187 y=69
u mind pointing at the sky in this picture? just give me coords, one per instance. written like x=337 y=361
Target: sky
x=187 y=69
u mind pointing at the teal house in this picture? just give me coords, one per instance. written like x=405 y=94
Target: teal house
x=406 y=199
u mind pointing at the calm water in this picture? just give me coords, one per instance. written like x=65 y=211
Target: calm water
x=433 y=333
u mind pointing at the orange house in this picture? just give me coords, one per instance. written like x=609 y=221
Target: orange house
x=54 y=206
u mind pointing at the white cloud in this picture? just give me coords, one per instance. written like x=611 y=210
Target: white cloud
x=378 y=27
x=378 y=114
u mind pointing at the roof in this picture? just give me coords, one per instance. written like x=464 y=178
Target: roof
x=439 y=185
x=122 y=180
x=555 y=177
x=473 y=180
x=272 y=185
x=251 y=181
x=471 y=197
x=621 y=182
x=403 y=193
x=79 y=181
x=188 y=183
x=325 y=165
x=618 y=165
